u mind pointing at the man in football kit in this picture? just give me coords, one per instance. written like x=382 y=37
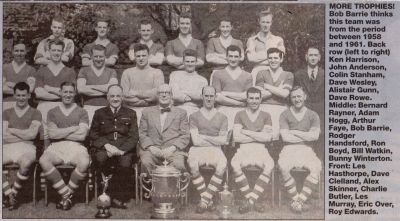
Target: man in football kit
x=258 y=45
x=16 y=71
x=43 y=55
x=140 y=83
x=93 y=81
x=111 y=50
x=252 y=131
x=114 y=135
x=163 y=133
x=187 y=84
x=156 y=50
x=68 y=125
x=216 y=47
x=231 y=84
x=299 y=126
x=208 y=129
x=20 y=127
x=275 y=85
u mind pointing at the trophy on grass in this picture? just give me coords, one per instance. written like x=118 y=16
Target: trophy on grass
x=226 y=198
x=104 y=200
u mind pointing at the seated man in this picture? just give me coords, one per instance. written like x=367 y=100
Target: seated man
x=299 y=127
x=94 y=80
x=20 y=126
x=187 y=84
x=252 y=130
x=16 y=71
x=111 y=50
x=140 y=83
x=275 y=85
x=68 y=125
x=114 y=135
x=163 y=133
x=231 y=84
x=208 y=129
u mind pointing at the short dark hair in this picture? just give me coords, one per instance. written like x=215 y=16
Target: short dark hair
x=295 y=88
x=253 y=90
x=189 y=52
x=208 y=86
x=140 y=47
x=114 y=85
x=226 y=18
x=264 y=13
x=185 y=15
x=98 y=47
x=313 y=47
x=145 y=21
x=275 y=50
x=103 y=19
x=19 y=41
x=58 y=19
x=21 y=86
x=233 y=48
x=57 y=42
x=68 y=83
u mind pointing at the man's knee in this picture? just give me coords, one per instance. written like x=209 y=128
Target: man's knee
x=125 y=161
x=82 y=162
x=179 y=163
x=236 y=166
x=221 y=166
x=46 y=161
x=101 y=157
x=26 y=161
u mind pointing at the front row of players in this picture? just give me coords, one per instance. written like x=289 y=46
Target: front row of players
x=164 y=133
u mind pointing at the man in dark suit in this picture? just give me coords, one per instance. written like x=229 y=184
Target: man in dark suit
x=312 y=80
x=114 y=135
x=163 y=132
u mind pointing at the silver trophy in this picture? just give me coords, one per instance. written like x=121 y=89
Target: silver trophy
x=104 y=200
x=226 y=201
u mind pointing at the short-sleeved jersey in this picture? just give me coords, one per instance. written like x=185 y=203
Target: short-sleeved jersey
x=23 y=122
x=258 y=125
x=222 y=81
x=10 y=75
x=209 y=127
x=44 y=48
x=153 y=49
x=44 y=76
x=288 y=121
x=92 y=79
x=285 y=79
x=176 y=47
x=111 y=50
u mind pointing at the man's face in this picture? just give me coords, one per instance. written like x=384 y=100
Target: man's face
x=102 y=29
x=233 y=58
x=225 y=27
x=68 y=95
x=114 y=97
x=185 y=25
x=253 y=101
x=98 y=58
x=298 y=98
x=313 y=57
x=146 y=31
x=19 y=53
x=141 y=58
x=56 y=52
x=57 y=28
x=208 y=97
x=21 y=97
x=274 y=60
x=265 y=23
x=190 y=63
x=164 y=96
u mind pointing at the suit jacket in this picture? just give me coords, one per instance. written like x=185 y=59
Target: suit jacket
x=175 y=131
x=119 y=129
x=315 y=90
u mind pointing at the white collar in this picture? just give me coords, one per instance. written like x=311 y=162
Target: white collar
x=68 y=111
x=226 y=42
x=309 y=70
x=208 y=114
x=96 y=71
x=20 y=112
x=103 y=42
x=17 y=68
x=55 y=68
x=112 y=109
x=252 y=116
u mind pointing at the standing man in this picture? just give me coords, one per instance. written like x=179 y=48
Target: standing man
x=187 y=84
x=252 y=130
x=163 y=133
x=102 y=28
x=48 y=80
x=312 y=80
x=275 y=85
x=43 y=55
x=156 y=50
x=258 y=45
x=175 y=48
x=140 y=83
x=208 y=129
x=114 y=135
x=68 y=125
x=94 y=80
x=20 y=126
x=216 y=47
x=231 y=84
x=299 y=127
x=16 y=71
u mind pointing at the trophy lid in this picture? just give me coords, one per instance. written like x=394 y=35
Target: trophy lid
x=166 y=170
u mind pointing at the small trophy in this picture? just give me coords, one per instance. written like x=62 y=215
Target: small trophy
x=226 y=201
x=104 y=200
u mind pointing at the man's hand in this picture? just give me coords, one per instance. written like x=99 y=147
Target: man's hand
x=168 y=152
x=156 y=151
x=112 y=150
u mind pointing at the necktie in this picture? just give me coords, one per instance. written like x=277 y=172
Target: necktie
x=167 y=109
x=115 y=110
x=313 y=75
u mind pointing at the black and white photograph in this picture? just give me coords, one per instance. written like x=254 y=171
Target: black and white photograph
x=184 y=110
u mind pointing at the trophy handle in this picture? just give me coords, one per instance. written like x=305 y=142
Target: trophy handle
x=146 y=180
x=186 y=180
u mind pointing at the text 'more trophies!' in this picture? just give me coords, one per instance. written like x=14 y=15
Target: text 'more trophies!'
x=226 y=198
x=104 y=200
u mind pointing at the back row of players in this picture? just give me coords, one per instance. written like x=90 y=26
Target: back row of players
x=143 y=85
